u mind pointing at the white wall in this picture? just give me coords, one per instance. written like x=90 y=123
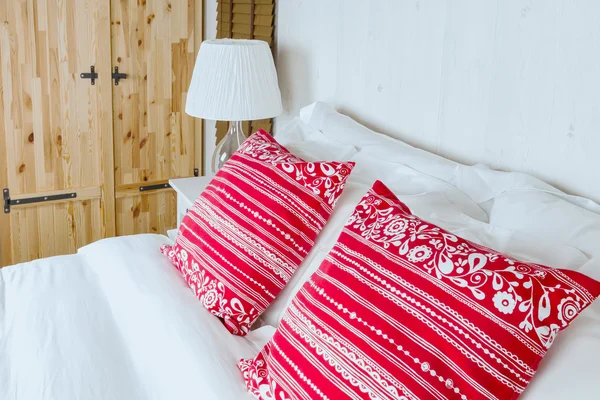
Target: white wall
x=514 y=84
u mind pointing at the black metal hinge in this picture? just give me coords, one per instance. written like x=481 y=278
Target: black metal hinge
x=40 y=199
x=117 y=76
x=93 y=75
x=154 y=187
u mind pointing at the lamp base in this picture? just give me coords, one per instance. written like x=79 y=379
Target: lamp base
x=228 y=145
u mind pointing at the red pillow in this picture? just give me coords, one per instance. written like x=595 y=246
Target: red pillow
x=403 y=309
x=252 y=226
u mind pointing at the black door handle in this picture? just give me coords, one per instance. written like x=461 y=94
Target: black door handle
x=93 y=75
x=117 y=76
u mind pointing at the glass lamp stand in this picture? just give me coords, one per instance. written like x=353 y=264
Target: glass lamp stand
x=228 y=145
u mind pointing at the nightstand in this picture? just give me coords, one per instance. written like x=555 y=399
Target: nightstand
x=188 y=190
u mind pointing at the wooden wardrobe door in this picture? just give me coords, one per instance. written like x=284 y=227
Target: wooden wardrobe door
x=55 y=127
x=153 y=43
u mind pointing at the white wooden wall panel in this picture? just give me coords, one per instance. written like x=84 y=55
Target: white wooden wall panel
x=514 y=84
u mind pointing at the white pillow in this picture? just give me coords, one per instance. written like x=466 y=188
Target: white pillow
x=344 y=130
x=403 y=179
x=478 y=182
x=548 y=218
x=312 y=145
x=341 y=128
x=514 y=243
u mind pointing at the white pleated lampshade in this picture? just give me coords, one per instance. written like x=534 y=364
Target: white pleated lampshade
x=234 y=80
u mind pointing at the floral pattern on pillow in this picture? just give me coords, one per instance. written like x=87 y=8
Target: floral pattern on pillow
x=252 y=226
x=402 y=309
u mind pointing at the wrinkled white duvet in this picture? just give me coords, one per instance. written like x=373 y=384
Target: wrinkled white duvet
x=115 y=321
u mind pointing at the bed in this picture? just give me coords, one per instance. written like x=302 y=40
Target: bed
x=116 y=320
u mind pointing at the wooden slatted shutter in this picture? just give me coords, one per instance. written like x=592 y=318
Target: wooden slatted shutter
x=246 y=19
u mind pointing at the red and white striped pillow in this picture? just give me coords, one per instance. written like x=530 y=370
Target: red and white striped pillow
x=252 y=226
x=402 y=309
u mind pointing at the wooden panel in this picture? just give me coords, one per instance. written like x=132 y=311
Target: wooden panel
x=154 y=140
x=244 y=7
x=149 y=213
x=56 y=127
x=244 y=19
x=72 y=222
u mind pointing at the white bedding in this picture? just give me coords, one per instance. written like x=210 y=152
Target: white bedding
x=115 y=321
x=511 y=212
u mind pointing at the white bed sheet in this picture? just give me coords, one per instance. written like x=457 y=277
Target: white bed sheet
x=115 y=321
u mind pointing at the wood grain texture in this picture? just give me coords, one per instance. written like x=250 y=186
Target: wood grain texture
x=154 y=140
x=511 y=84
x=55 y=125
x=264 y=17
x=5 y=235
x=148 y=213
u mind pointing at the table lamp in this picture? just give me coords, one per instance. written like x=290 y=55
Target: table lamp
x=233 y=80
